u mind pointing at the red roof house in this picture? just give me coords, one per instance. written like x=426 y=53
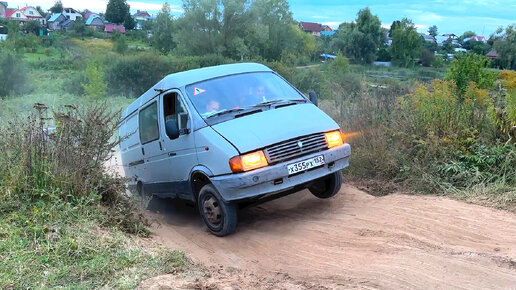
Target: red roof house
x=312 y=27
x=492 y=54
x=110 y=28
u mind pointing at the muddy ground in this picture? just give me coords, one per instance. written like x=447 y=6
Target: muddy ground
x=354 y=240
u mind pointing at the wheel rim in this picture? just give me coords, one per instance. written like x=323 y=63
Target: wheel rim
x=212 y=210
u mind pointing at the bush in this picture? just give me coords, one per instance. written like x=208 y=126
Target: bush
x=339 y=66
x=466 y=68
x=73 y=84
x=94 y=86
x=12 y=75
x=131 y=76
x=427 y=57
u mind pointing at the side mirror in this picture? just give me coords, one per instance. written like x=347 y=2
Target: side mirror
x=313 y=97
x=172 y=129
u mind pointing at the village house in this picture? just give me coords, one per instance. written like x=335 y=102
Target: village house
x=141 y=17
x=476 y=38
x=33 y=14
x=16 y=15
x=72 y=14
x=110 y=28
x=492 y=55
x=94 y=22
x=3 y=8
x=311 y=27
x=54 y=22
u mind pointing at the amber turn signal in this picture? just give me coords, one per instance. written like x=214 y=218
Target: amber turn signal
x=334 y=138
x=248 y=161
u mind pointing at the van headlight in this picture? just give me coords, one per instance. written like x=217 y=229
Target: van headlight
x=334 y=138
x=248 y=161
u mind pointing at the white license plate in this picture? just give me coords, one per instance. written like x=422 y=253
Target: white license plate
x=305 y=164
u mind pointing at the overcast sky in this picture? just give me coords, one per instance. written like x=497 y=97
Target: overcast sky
x=481 y=16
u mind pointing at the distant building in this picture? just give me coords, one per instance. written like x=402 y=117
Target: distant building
x=72 y=14
x=327 y=33
x=54 y=22
x=492 y=54
x=33 y=14
x=16 y=15
x=141 y=17
x=311 y=27
x=110 y=28
x=95 y=22
x=3 y=8
x=428 y=38
x=476 y=38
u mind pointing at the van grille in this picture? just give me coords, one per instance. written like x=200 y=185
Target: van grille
x=290 y=149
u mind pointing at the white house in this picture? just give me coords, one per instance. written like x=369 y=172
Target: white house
x=72 y=14
x=33 y=14
x=16 y=15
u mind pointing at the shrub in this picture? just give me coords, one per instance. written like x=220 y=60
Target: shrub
x=73 y=84
x=94 y=86
x=131 y=76
x=120 y=45
x=12 y=75
x=339 y=66
x=468 y=68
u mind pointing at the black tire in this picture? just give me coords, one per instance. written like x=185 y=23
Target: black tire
x=327 y=186
x=220 y=217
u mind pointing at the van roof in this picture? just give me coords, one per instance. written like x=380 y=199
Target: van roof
x=181 y=79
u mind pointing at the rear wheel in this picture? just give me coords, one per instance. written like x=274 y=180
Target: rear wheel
x=327 y=186
x=220 y=217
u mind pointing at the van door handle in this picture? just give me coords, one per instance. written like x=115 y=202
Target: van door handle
x=143 y=151
x=172 y=154
x=160 y=146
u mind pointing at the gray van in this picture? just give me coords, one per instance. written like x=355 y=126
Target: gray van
x=230 y=136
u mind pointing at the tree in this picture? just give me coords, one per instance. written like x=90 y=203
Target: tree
x=40 y=11
x=12 y=74
x=120 y=44
x=505 y=46
x=432 y=31
x=162 y=38
x=394 y=25
x=406 y=44
x=468 y=68
x=129 y=22
x=361 y=39
x=116 y=11
x=57 y=8
x=79 y=26
x=32 y=26
x=427 y=57
x=95 y=87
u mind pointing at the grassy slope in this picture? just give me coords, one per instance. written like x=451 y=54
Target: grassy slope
x=51 y=243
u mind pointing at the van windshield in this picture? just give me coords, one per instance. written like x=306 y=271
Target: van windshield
x=239 y=92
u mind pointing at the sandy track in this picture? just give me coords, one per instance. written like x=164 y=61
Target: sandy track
x=352 y=240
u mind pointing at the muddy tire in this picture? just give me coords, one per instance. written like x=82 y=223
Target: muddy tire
x=327 y=186
x=220 y=217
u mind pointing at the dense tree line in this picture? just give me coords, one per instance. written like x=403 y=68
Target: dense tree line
x=238 y=29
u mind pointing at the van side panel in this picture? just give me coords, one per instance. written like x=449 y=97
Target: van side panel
x=213 y=151
x=130 y=147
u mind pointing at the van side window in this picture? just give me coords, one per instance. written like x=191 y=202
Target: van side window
x=174 y=109
x=149 y=130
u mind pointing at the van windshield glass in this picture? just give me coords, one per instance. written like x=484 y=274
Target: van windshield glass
x=238 y=92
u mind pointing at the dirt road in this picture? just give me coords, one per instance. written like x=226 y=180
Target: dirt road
x=352 y=240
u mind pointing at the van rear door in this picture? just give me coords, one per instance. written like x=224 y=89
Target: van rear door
x=150 y=142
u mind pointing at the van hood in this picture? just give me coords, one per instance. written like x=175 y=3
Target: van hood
x=262 y=129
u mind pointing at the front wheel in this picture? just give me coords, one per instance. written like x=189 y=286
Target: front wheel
x=220 y=217
x=328 y=186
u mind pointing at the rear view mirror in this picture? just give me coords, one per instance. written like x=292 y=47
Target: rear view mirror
x=313 y=97
x=172 y=129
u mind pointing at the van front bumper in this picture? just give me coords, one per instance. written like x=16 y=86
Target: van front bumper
x=275 y=179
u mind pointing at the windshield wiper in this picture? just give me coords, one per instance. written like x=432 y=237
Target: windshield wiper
x=264 y=104
x=224 y=112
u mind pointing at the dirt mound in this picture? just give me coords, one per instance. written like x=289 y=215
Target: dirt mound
x=352 y=240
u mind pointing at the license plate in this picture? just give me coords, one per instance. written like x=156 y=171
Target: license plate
x=305 y=164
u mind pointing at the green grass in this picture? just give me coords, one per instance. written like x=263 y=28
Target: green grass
x=51 y=243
